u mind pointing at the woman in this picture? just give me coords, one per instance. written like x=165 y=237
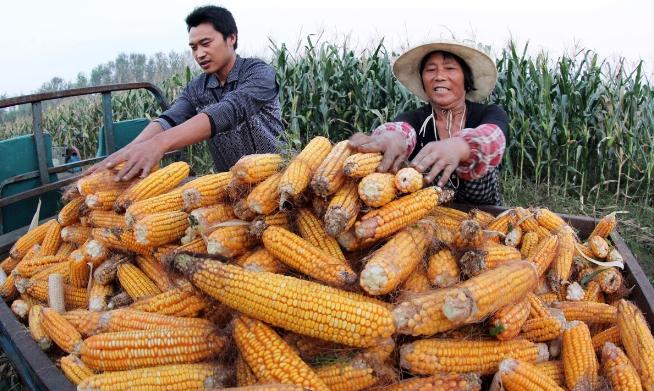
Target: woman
x=451 y=135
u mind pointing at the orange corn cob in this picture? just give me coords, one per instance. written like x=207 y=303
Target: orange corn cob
x=244 y=375
x=179 y=301
x=593 y=292
x=127 y=319
x=529 y=242
x=301 y=255
x=120 y=239
x=8 y=288
x=428 y=356
x=503 y=222
x=197 y=246
x=230 y=240
x=549 y=220
x=180 y=377
x=167 y=202
x=106 y=272
x=69 y=214
x=106 y=219
x=313 y=305
x=408 y=180
x=579 y=361
x=387 y=267
x=638 y=341
x=562 y=264
x=257 y=167
x=312 y=229
x=605 y=226
x=205 y=217
x=155 y=271
x=297 y=176
x=518 y=375
x=508 y=321
x=452 y=213
x=513 y=237
x=442 y=269
x=135 y=282
x=102 y=200
x=342 y=210
x=264 y=198
x=95 y=252
x=160 y=228
x=417 y=281
x=52 y=240
x=156 y=183
x=587 y=311
x=65 y=249
x=121 y=350
x=352 y=374
x=27 y=267
x=359 y=165
x=329 y=176
x=102 y=180
x=469 y=235
x=60 y=331
x=610 y=280
x=400 y=213
x=9 y=264
x=119 y=300
x=62 y=268
x=483 y=218
x=270 y=357
x=441 y=382
x=529 y=223
x=99 y=295
x=205 y=190
x=554 y=370
x=377 y=189
x=543 y=329
x=87 y=323
x=619 y=369
x=27 y=241
x=36 y=330
x=76 y=234
x=74 y=369
x=261 y=223
x=598 y=246
x=544 y=253
x=612 y=334
x=79 y=272
x=489 y=256
x=260 y=260
x=73 y=297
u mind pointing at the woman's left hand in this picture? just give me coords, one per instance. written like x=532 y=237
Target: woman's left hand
x=441 y=156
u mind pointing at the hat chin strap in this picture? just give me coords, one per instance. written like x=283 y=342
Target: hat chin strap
x=448 y=122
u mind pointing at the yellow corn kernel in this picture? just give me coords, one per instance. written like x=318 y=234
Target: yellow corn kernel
x=261 y=223
x=135 y=282
x=260 y=260
x=297 y=175
x=230 y=240
x=348 y=375
x=120 y=239
x=529 y=242
x=28 y=240
x=156 y=183
x=257 y=167
x=605 y=226
x=160 y=228
x=544 y=253
x=543 y=329
x=74 y=369
x=205 y=191
x=612 y=334
x=549 y=220
x=155 y=271
x=27 y=267
x=489 y=256
x=52 y=240
x=244 y=375
x=440 y=382
x=329 y=176
x=171 y=201
x=442 y=269
x=102 y=180
x=60 y=331
x=638 y=341
x=417 y=282
x=554 y=370
x=70 y=213
x=598 y=246
x=36 y=330
x=312 y=229
x=264 y=198
x=106 y=219
x=102 y=200
x=408 y=180
x=205 y=217
x=587 y=311
x=177 y=302
x=579 y=361
x=618 y=369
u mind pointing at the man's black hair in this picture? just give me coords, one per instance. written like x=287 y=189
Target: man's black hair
x=468 y=82
x=221 y=19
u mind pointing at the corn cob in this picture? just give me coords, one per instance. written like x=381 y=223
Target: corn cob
x=73 y=297
x=588 y=312
x=593 y=292
x=579 y=361
x=441 y=382
x=120 y=239
x=155 y=271
x=106 y=272
x=342 y=210
x=544 y=253
x=377 y=189
x=297 y=175
x=119 y=300
x=87 y=323
x=126 y=319
x=106 y=219
x=605 y=226
x=408 y=180
x=135 y=282
x=179 y=301
x=638 y=341
x=442 y=269
x=312 y=229
x=52 y=240
x=301 y=255
x=121 y=350
x=230 y=240
x=454 y=214
x=180 y=377
x=387 y=267
x=257 y=167
x=237 y=189
x=612 y=334
x=156 y=183
x=74 y=369
x=65 y=249
x=529 y=242
x=428 y=356
x=359 y=165
x=308 y=302
x=553 y=370
x=513 y=237
x=549 y=220
x=244 y=375
x=598 y=246
x=543 y=329
x=400 y=213
x=95 y=252
x=516 y=375
x=264 y=198
x=205 y=217
x=468 y=235
x=489 y=256
x=9 y=264
x=503 y=222
x=508 y=321
x=270 y=358
x=528 y=223
x=476 y=298
x=171 y=201
x=76 y=234
x=79 y=272
x=205 y=190
x=261 y=223
x=27 y=267
x=27 y=241
x=260 y=260
x=197 y=246
x=350 y=375
x=329 y=176
x=99 y=295
x=102 y=200
x=562 y=264
x=70 y=213
x=7 y=288
x=102 y=180
x=619 y=369
x=20 y=308
x=417 y=282
x=60 y=331
x=160 y=228
x=36 y=330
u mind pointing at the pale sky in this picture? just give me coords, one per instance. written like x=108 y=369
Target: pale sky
x=43 y=39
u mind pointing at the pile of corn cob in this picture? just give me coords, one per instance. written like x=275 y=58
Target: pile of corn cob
x=320 y=273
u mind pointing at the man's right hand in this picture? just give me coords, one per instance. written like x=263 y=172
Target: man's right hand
x=391 y=144
x=137 y=158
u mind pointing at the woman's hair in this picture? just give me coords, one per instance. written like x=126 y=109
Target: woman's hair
x=468 y=82
x=221 y=19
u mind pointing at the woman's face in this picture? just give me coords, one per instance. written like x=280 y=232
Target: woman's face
x=442 y=79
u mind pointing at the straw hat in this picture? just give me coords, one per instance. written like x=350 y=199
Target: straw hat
x=406 y=68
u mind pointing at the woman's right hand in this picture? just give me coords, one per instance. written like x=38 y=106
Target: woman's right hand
x=391 y=144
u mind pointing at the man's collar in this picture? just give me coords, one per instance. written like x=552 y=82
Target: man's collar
x=212 y=79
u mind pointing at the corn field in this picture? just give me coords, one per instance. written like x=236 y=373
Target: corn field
x=577 y=122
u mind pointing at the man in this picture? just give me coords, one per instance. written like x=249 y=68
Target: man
x=233 y=105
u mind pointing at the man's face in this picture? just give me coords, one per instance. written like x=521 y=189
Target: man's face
x=210 y=50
